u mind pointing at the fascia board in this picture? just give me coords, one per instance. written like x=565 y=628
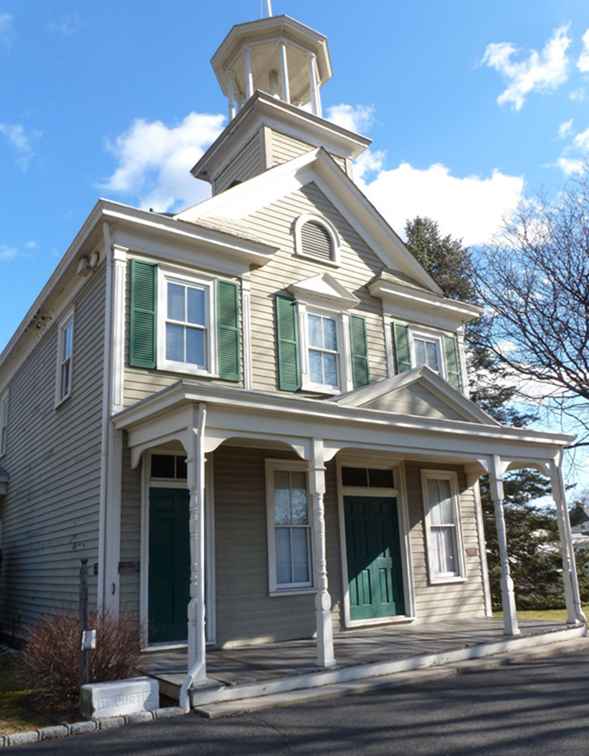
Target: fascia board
x=389 y=291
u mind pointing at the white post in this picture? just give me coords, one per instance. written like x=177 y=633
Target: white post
x=268 y=7
x=285 y=86
x=575 y=615
x=248 y=72
x=196 y=606
x=325 y=653
x=314 y=86
x=232 y=109
x=507 y=593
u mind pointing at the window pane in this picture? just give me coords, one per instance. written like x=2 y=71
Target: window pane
x=354 y=476
x=281 y=498
x=196 y=306
x=176 y=302
x=298 y=498
x=329 y=334
x=181 y=469
x=315 y=366
x=195 y=346
x=444 y=546
x=283 y=570
x=381 y=479
x=330 y=369
x=65 y=379
x=442 y=509
x=163 y=466
x=315 y=338
x=174 y=342
x=432 y=356
x=300 y=558
x=68 y=340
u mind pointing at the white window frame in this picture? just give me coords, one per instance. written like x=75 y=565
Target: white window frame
x=432 y=338
x=274 y=587
x=451 y=476
x=344 y=354
x=168 y=275
x=331 y=231
x=67 y=320
x=4 y=402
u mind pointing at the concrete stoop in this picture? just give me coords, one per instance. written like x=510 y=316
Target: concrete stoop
x=215 y=700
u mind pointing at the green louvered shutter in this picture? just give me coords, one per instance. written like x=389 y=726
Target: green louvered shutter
x=143 y=327
x=360 y=374
x=228 y=330
x=401 y=347
x=287 y=342
x=453 y=362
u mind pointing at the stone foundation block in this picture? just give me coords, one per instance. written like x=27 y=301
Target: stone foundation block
x=111 y=723
x=50 y=733
x=168 y=711
x=79 y=728
x=140 y=716
x=119 y=698
x=22 y=738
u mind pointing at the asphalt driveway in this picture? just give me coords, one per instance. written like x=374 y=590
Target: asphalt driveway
x=539 y=707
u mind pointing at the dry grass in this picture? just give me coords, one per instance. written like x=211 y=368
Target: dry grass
x=554 y=615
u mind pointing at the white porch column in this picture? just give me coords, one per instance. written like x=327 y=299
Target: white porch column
x=325 y=654
x=231 y=106
x=285 y=86
x=314 y=86
x=248 y=72
x=507 y=593
x=575 y=615
x=196 y=606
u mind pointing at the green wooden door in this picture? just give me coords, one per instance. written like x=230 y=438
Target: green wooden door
x=169 y=564
x=374 y=557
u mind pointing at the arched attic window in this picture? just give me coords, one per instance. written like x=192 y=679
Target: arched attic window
x=316 y=239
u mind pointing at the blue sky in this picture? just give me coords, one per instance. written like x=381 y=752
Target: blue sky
x=469 y=104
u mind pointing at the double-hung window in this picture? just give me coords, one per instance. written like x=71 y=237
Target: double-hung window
x=427 y=352
x=65 y=358
x=444 y=540
x=186 y=338
x=3 y=423
x=323 y=351
x=289 y=527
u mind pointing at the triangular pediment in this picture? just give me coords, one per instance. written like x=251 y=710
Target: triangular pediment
x=419 y=392
x=324 y=290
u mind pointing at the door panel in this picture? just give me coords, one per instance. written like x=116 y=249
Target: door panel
x=169 y=565
x=374 y=557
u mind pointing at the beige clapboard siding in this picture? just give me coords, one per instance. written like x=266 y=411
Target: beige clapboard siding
x=359 y=264
x=458 y=600
x=249 y=162
x=285 y=148
x=50 y=516
x=245 y=611
x=130 y=535
x=140 y=383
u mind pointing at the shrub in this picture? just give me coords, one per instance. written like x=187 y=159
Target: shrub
x=51 y=657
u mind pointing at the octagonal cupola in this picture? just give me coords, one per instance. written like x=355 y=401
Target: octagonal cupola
x=276 y=55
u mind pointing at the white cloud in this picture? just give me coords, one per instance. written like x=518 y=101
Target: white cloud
x=6 y=29
x=581 y=141
x=7 y=254
x=570 y=166
x=565 y=128
x=539 y=71
x=583 y=62
x=66 y=26
x=472 y=208
x=154 y=160
x=21 y=140
x=358 y=118
x=577 y=95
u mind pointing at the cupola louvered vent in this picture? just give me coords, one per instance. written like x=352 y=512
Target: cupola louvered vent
x=316 y=241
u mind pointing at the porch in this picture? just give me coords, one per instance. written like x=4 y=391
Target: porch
x=248 y=672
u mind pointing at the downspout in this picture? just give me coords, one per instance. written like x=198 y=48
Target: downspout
x=184 y=697
x=106 y=392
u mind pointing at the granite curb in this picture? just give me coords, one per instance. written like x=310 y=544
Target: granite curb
x=56 y=732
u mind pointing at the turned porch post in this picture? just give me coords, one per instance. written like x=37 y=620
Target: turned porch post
x=196 y=606
x=507 y=593
x=325 y=654
x=575 y=615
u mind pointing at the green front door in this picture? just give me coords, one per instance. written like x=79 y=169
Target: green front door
x=169 y=564
x=374 y=557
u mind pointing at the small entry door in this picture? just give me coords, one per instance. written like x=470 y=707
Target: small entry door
x=375 y=572
x=169 y=565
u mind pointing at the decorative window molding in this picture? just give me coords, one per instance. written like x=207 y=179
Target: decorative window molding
x=319 y=242
x=4 y=399
x=187 y=334
x=443 y=532
x=289 y=518
x=65 y=358
x=311 y=348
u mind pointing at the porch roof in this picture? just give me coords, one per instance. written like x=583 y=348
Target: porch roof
x=236 y=412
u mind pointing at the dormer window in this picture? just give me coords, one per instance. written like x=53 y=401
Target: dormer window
x=316 y=239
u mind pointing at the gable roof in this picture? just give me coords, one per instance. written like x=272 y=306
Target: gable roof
x=423 y=377
x=317 y=166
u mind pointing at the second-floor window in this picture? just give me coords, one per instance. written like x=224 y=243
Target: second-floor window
x=324 y=358
x=65 y=358
x=427 y=352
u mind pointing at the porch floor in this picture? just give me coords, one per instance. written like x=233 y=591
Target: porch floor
x=388 y=648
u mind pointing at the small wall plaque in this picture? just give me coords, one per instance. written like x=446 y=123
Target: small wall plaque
x=472 y=551
x=128 y=568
